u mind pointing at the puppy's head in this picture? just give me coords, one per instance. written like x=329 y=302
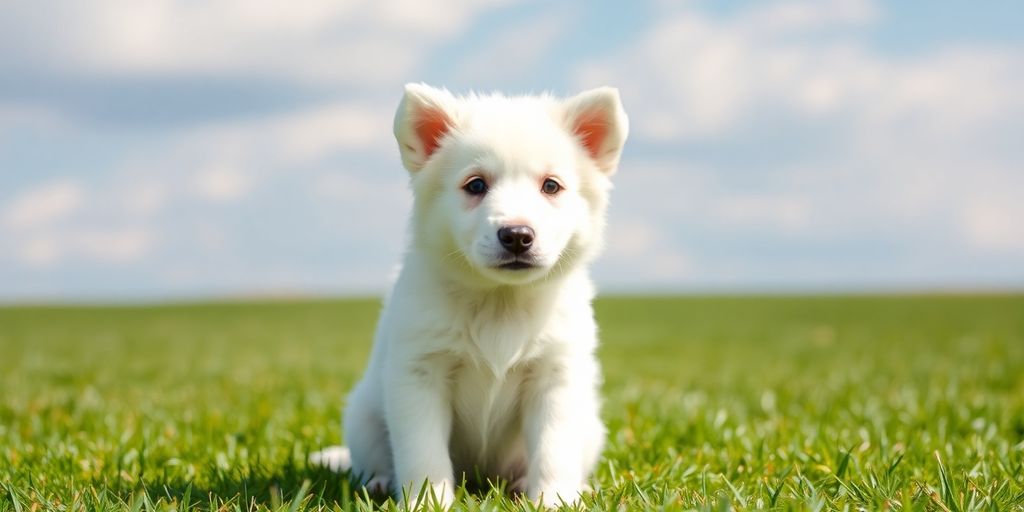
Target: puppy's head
x=509 y=190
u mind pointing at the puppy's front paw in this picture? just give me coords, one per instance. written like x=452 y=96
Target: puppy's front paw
x=379 y=484
x=518 y=487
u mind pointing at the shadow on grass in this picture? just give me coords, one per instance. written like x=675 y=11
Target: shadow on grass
x=299 y=487
x=260 y=489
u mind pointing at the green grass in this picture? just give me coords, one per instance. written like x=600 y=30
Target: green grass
x=855 y=403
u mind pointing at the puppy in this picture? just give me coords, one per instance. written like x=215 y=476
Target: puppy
x=483 y=361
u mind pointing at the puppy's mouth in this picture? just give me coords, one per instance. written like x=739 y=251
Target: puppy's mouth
x=516 y=265
x=516 y=262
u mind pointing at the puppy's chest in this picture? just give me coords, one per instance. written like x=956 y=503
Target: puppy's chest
x=493 y=360
x=478 y=394
x=498 y=343
x=486 y=413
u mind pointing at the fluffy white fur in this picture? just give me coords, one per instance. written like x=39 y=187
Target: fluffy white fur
x=480 y=369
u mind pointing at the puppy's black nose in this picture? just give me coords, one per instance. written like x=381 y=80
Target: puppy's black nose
x=516 y=239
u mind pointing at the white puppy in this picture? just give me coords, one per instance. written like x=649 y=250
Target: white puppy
x=483 y=362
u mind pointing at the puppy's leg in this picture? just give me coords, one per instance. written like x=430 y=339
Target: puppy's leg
x=419 y=418
x=564 y=434
x=367 y=438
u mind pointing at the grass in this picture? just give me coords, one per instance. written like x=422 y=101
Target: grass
x=846 y=403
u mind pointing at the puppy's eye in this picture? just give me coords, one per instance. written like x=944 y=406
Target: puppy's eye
x=551 y=187
x=475 y=187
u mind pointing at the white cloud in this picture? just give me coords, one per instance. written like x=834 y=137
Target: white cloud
x=293 y=138
x=995 y=227
x=62 y=220
x=44 y=204
x=356 y=185
x=107 y=246
x=319 y=41
x=112 y=245
x=514 y=50
x=782 y=212
x=230 y=160
x=782 y=17
x=632 y=238
x=670 y=194
x=911 y=139
x=119 y=218
x=915 y=153
x=991 y=220
x=693 y=76
x=221 y=183
x=142 y=197
x=639 y=253
x=39 y=251
x=311 y=134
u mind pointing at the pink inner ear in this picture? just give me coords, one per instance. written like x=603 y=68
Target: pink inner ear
x=431 y=125
x=592 y=129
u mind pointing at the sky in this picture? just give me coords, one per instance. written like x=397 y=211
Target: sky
x=192 y=149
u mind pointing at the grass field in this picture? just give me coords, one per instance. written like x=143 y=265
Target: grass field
x=751 y=403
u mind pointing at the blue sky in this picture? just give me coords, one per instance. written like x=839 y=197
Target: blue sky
x=176 y=149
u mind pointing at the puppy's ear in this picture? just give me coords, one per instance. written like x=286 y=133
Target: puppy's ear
x=598 y=121
x=424 y=117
